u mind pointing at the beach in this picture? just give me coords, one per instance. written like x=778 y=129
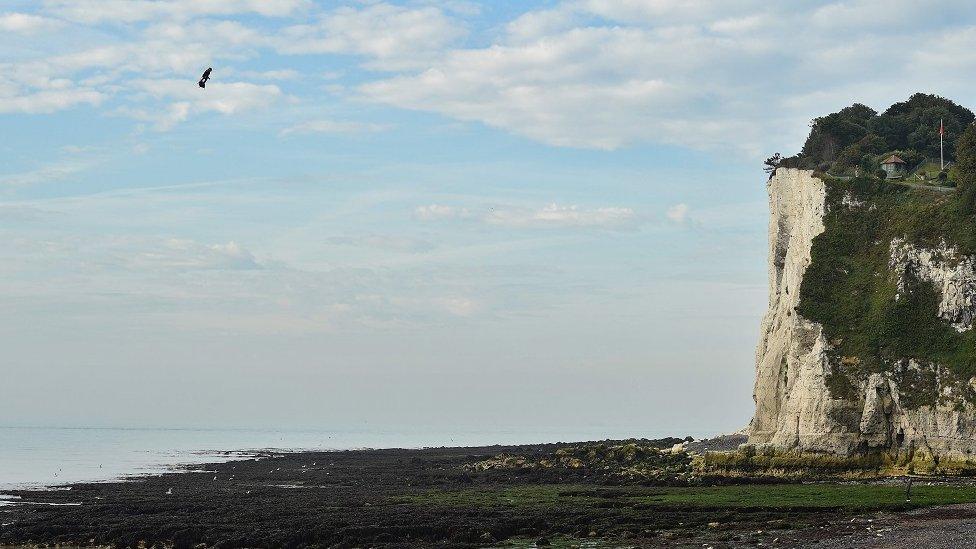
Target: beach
x=511 y=496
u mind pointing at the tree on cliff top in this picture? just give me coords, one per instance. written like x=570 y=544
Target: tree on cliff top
x=965 y=169
x=914 y=124
x=857 y=133
x=831 y=134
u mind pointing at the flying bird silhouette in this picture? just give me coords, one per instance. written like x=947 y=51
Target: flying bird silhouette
x=205 y=77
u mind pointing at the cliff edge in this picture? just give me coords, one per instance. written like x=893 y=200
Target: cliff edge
x=868 y=343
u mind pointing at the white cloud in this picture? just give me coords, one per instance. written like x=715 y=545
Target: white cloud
x=674 y=13
x=182 y=254
x=529 y=26
x=459 y=306
x=705 y=74
x=393 y=36
x=274 y=75
x=26 y=23
x=678 y=213
x=224 y=98
x=599 y=74
x=48 y=101
x=588 y=87
x=56 y=171
x=739 y=25
x=384 y=242
x=555 y=215
x=552 y=215
x=334 y=126
x=95 y=11
x=435 y=212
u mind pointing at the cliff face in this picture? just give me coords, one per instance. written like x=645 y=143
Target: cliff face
x=813 y=393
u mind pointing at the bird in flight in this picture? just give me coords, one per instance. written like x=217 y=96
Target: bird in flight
x=205 y=77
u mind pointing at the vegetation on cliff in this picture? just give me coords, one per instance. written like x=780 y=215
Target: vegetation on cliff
x=850 y=287
x=858 y=138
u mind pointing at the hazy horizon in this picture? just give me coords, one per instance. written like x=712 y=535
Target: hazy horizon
x=439 y=215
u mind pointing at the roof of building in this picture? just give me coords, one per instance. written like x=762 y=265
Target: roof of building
x=893 y=159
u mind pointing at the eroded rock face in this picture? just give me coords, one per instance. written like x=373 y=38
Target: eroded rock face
x=952 y=274
x=912 y=407
x=793 y=405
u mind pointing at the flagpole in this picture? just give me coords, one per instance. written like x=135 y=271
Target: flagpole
x=941 y=156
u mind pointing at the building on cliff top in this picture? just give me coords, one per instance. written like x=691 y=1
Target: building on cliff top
x=893 y=166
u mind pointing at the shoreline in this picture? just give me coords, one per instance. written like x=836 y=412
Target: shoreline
x=34 y=457
x=482 y=496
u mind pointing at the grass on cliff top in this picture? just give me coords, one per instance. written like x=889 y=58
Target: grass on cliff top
x=848 y=497
x=850 y=289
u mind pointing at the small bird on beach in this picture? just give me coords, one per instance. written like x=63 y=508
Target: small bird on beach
x=169 y=492
x=206 y=76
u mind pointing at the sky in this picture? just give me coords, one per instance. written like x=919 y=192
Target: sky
x=441 y=215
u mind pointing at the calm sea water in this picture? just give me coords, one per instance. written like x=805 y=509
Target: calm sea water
x=36 y=457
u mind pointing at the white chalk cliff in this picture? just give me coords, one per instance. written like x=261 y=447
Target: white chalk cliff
x=794 y=407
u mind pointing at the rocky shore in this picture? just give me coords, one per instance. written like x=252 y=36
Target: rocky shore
x=600 y=494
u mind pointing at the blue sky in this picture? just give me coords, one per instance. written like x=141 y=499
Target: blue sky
x=545 y=215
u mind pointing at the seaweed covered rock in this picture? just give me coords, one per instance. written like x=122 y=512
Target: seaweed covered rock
x=631 y=462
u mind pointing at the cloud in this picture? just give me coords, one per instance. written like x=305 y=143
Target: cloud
x=458 y=306
x=183 y=254
x=46 y=174
x=48 y=101
x=97 y=74
x=225 y=98
x=596 y=74
x=678 y=213
x=56 y=171
x=130 y=11
x=384 y=242
x=550 y=216
x=335 y=126
x=435 y=212
x=26 y=23
x=274 y=75
x=739 y=25
x=555 y=215
x=393 y=36
x=605 y=74
x=597 y=88
x=21 y=214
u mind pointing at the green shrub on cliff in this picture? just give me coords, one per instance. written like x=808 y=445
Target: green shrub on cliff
x=851 y=290
x=850 y=287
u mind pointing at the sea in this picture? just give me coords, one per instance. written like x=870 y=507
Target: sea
x=46 y=457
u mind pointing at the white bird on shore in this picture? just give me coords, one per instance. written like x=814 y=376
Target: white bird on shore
x=215 y=478
x=169 y=492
